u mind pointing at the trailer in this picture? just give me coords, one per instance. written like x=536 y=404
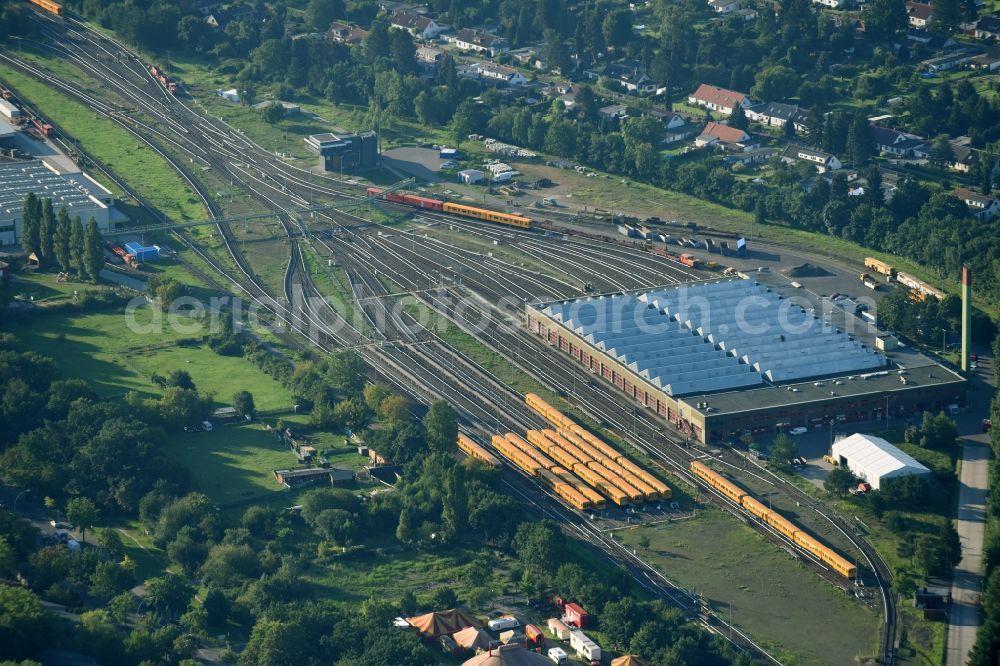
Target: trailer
x=584 y=646
x=869 y=281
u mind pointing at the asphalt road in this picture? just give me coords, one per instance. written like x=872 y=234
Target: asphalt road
x=967 y=578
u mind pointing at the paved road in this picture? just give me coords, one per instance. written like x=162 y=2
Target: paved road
x=967 y=579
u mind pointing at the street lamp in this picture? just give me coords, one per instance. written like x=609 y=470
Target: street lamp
x=14 y=508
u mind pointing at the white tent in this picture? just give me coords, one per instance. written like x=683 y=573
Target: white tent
x=874 y=459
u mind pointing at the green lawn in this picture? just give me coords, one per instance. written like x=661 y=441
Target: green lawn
x=233 y=462
x=115 y=357
x=120 y=151
x=774 y=598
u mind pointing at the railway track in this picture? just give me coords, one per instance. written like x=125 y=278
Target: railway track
x=425 y=373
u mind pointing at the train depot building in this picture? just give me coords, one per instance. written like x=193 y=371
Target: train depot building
x=723 y=358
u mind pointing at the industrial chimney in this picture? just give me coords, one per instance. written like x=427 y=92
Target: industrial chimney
x=966 y=316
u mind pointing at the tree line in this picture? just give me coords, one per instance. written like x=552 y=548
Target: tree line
x=58 y=242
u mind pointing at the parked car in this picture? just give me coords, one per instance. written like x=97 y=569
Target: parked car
x=800 y=430
x=59 y=526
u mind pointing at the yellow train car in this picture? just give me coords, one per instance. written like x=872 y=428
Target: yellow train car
x=519 y=221
x=839 y=564
x=595 y=498
x=568 y=446
x=717 y=481
x=582 y=444
x=529 y=450
x=596 y=442
x=515 y=455
x=807 y=542
x=756 y=507
x=49 y=6
x=562 y=457
x=472 y=449
x=547 y=411
x=621 y=483
x=782 y=524
x=602 y=485
x=565 y=490
x=663 y=489
x=632 y=480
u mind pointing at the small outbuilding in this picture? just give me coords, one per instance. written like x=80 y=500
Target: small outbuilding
x=874 y=460
x=471 y=176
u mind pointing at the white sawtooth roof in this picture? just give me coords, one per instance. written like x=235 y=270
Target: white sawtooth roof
x=874 y=459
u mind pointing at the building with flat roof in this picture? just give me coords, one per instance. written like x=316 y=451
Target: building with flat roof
x=78 y=193
x=875 y=460
x=722 y=358
x=345 y=153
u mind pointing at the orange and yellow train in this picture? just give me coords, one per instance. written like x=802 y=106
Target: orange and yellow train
x=49 y=6
x=781 y=524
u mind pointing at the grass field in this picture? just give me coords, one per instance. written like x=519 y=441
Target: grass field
x=143 y=169
x=233 y=462
x=773 y=597
x=115 y=359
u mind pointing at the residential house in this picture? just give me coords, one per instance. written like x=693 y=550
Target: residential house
x=987 y=62
x=918 y=14
x=724 y=6
x=223 y=17
x=988 y=27
x=420 y=26
x=834 y=4
x=822 y=161
x=468 y=39
x=963 y=157
x=203 y=7
x=981 y=206
x=429 y=55
x=627 y=73
x=527 y=57
x=758 y=156
x=950 y=60
x=497 y=73
x=346 y=34
x=675 y=125
x=776 y=114
x=613 y=112
x=564 y=91
x=899 y=144
x=717 y=134
x=717 y=99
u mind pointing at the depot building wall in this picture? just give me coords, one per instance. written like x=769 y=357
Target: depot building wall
x=684 y=417
x=719 y=425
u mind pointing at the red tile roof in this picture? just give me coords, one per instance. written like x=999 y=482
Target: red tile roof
x=718 y=96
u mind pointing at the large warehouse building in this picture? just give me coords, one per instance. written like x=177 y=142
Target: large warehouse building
x=874 y=459
x=78 y=193
x=724 y=358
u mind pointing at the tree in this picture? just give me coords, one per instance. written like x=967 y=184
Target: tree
x=228 y=564
x=455 y=510
x=617 y=28
x=93 y=257
x=838 y=481
x=216 y=605
x=82 y=513
x=321 y=13
x=738 y=118
x=443 y=598
x=775 y=82
x=540 y=546
x=873 y=187
x=942 y=153
x=374 y=394
x=783 y=449
x=463 y=123
x=24 y=624
x=938 y=432
x=244 y=404
x=31 y=225
x=347 y=373
x=859 y=141
x=181 y=379
x=353 y=414
x=945 y=16
x=47 y=231
x=168 y=594
x=884 y=19
x=441 y=426
x=76 y=248
x=273 y=113
x=64 y=231
x=395 y=409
